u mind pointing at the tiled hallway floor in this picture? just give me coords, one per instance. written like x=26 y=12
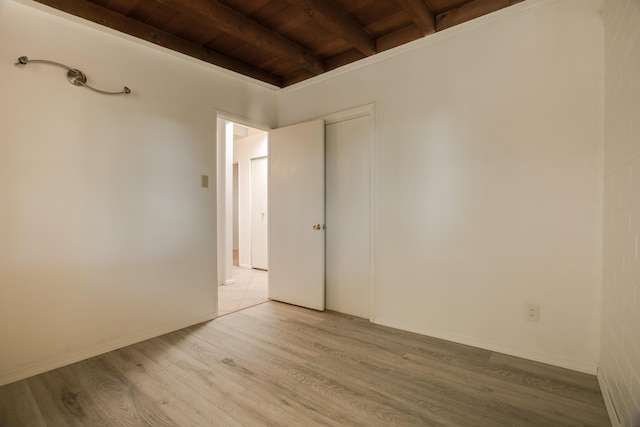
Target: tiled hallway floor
x=250 y=288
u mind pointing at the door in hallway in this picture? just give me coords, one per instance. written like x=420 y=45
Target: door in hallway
x=259 y=229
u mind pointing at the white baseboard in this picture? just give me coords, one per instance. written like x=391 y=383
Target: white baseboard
x=549 y=359
x=228 y=282
x=608 y=402
x=247 y=266
x=66 y=359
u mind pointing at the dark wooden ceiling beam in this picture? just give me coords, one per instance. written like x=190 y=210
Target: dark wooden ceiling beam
x=398 y=37
x=421 y=15
x=237 y=25
x=443 y=20
x=296 y=77
x=469 y=11
x=118 y=22
x=334 y=19
x=344 y=58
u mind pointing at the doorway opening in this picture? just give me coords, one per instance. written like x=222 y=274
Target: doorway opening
x=243 y=278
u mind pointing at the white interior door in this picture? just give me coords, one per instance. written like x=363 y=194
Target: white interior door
x=259 y=221
x=236 y=205
x=296 y=207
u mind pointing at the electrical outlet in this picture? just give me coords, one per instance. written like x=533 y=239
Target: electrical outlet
x=532 y=313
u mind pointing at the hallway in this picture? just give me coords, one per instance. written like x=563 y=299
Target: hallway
x=250 y=288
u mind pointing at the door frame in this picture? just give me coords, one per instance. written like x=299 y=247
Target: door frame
x=222 y=254
x=367 y=110
x=342 y=115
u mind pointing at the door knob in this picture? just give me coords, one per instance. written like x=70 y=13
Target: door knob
x=317 y=227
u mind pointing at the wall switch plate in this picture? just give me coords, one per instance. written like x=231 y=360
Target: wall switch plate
x=532 y=313
x=205 y=181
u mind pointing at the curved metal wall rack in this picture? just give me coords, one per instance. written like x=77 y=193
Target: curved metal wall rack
x=74 y=76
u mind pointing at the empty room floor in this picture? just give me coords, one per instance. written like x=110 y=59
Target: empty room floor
x=276 y=364
x=251 y=287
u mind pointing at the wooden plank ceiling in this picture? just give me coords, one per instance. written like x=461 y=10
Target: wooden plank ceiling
x=280 y=42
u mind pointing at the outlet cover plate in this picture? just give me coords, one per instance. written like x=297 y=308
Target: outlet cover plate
x=532 y=313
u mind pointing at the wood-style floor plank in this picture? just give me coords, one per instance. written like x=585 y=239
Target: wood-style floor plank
x=62 y=399
x=177 y=399
x=18 y=407
x=281 y=365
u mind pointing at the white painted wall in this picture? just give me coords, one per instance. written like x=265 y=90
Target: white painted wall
x=489 y=141
x=620 y=354
x=245 y=149
x=106 y=237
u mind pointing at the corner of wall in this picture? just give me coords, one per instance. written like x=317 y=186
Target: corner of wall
x=608 y=401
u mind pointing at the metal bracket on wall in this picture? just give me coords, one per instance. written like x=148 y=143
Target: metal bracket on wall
x=74 y=76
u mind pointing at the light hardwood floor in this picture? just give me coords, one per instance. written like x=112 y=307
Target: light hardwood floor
x=275 y=364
